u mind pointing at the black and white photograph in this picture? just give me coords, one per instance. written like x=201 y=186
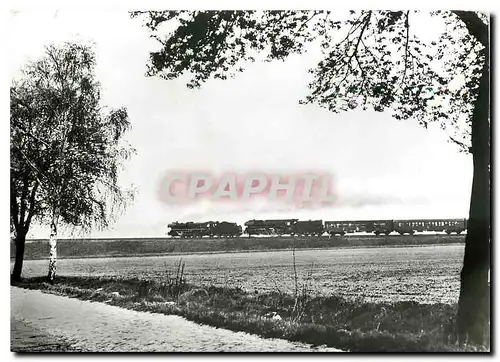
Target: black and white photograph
x=273 y=180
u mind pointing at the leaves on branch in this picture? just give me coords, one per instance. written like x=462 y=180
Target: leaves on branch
x=66 y=149
x=371 y=59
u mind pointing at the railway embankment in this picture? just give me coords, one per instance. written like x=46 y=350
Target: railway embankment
x=93 y=248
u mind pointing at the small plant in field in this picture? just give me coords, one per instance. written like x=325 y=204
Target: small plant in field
x=90 y=271
x=171 y=287
x=278 y=290
x=302 y=295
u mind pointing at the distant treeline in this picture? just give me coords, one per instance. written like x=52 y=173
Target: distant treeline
x=88 y=248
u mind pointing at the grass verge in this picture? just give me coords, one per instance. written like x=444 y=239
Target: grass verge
x=350 y=325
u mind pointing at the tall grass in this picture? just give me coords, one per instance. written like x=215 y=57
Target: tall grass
x=171 y=286
x=302 y=294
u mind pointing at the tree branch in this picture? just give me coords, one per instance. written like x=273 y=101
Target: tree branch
x=27 y=133
x=308 y=20
x=14 y=208
x=37 y=172
x=24 y=194
x=31 y=210
x=407 y=24
x=462 y=145
x=475 y=25
x=354 y=53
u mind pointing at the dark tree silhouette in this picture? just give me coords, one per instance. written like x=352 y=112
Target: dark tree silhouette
x=66 y=149
x=371 y=59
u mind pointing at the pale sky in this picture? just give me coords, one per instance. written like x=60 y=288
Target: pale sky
x=383 y=168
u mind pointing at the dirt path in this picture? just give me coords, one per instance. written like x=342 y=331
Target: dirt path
x=24 y=338
x=98 y=327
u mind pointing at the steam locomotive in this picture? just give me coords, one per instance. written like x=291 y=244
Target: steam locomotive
x=295 y=227
x=201 y=229
x=270 y=227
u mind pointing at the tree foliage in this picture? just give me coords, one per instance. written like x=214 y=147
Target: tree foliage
x=370 y=59
x=66 y=148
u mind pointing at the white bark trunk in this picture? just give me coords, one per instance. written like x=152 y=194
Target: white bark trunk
x=53 y=251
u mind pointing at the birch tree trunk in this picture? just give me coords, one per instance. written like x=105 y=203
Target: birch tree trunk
x=53 y=250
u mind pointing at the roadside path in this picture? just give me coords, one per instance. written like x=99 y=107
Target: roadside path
x=98 y=327
x=24 y=338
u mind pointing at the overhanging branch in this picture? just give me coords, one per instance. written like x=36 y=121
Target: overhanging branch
x=462 y=145
x=475 y=26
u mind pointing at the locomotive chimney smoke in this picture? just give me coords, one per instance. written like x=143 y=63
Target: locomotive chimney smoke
x=288 y=187
x=195 y=188
x=229 y=182
x=249 y=187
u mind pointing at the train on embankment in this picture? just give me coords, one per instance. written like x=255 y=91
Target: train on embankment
x=296 y=227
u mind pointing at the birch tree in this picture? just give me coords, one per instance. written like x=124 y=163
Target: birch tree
x=66 y=149
x=373 y=60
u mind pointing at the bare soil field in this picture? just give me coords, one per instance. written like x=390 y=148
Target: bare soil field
x=425 y=274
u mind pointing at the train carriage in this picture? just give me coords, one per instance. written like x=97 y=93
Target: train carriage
x=362 y=226
x=383 y=227
x=407 y=226
x=446 y=225
x=340 y=227
x=373 y=226
x=376 y=227
x=435 y=225
x=456 y=226
x=365 y=226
